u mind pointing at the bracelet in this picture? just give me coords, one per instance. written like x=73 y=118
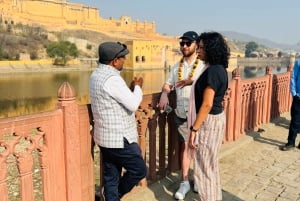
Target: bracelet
x=192 y=129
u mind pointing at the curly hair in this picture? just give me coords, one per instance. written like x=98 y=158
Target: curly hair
x=216 y=49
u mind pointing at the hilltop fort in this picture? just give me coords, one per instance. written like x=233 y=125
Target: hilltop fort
x=62 y=14
x=58 y=15
x=147 y=47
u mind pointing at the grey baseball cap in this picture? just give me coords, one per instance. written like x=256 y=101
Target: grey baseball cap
x=110 y=50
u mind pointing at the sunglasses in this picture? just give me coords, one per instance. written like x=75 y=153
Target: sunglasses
x=124 y=48
x=187 y=43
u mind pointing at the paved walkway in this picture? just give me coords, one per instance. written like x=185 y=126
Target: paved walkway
x=252 y=169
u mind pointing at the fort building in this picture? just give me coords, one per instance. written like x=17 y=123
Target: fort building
x=151 y=54
x=62 y=14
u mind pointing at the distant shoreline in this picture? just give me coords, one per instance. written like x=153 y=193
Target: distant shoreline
x=48 y=68
x=52 y=68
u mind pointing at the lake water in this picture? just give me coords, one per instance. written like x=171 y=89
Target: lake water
x=27 y=93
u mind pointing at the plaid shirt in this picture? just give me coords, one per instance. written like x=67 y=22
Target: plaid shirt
x=112 y=119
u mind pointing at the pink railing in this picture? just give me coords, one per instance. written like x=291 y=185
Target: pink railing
x=47 y=156
x=50 y=155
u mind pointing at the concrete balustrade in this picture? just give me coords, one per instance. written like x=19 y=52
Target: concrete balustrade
x=56 y=149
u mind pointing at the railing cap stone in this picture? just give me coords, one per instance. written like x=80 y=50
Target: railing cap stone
x=66 y=92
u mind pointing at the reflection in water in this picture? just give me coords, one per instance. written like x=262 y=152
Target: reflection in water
x=259 y=71
x=10 y=108
x=28 y=93
x=253 y=71
x=278 y=69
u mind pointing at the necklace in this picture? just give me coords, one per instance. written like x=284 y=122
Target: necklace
x=192 y=71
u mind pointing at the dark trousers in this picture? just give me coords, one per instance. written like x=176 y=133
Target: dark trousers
x=114 y=159
x=295 y=121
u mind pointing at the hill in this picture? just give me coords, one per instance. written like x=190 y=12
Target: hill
x=33 y=40
x=241 y=37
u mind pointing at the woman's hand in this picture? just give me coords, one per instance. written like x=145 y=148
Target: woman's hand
x=192 y=142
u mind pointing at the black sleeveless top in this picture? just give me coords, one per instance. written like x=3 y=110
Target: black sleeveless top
x=216 y=77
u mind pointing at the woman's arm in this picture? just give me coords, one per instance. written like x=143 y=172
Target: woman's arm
x=205 y=108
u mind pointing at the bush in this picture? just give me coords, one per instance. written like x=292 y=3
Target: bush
x=62 y=51
x=33 y=55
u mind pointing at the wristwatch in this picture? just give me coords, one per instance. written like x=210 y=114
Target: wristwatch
x=192 y=129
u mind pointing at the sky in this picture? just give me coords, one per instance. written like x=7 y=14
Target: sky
x=275 y=20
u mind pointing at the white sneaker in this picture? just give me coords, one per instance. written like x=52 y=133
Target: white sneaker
x=195 y=187
x=183 y=189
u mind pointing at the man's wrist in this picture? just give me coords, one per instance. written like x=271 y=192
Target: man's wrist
x=166 y=88
x=164 y=92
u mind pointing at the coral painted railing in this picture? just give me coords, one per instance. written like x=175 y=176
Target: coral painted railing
x=50 y=155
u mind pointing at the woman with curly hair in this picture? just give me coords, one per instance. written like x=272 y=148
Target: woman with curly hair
x=206 y=117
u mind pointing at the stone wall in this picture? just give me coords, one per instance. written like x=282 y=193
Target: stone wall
x=65 y=14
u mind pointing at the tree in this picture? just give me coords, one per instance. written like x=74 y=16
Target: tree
x=250 y=47
x=62 y=52
x=279 y=54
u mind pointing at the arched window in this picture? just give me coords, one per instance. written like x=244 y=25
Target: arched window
x=143 y=58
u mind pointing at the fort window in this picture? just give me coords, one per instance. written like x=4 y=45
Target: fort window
x=137 y=59
x=143 y=58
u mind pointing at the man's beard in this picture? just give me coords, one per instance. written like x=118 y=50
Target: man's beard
x=187 y=54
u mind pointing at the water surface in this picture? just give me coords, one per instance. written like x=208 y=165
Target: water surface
x=28 y=93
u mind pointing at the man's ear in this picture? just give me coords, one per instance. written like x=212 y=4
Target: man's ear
x=113 y=62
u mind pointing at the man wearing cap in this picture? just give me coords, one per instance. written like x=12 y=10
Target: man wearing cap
x=181 y=77
x=115 y=132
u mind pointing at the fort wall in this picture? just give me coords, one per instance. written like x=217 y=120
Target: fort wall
x=64 y=14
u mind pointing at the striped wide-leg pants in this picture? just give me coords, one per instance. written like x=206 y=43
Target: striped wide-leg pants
x=206 y=163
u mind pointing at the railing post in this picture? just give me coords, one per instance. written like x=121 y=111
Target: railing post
x=3 y=179
x=174 y=162
x=236 y=100
x=152 y=125
x=269 y=94
x=142 y=117
x=162 y=144
x=66 y=98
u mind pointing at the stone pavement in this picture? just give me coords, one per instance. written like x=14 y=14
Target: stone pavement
x=252 y=169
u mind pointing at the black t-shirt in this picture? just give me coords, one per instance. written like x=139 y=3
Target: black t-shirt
x=216 y=77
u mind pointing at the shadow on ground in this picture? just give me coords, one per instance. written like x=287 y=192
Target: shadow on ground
x=280 y=122
x=164 y=190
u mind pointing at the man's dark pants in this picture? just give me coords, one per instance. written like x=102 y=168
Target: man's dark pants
x=295 y=121
x=114 y=159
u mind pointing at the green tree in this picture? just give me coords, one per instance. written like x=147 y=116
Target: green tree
x=62 y=52
x=279 y=54
x=250 y=47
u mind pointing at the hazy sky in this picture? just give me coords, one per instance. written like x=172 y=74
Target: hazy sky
x=276 y=20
